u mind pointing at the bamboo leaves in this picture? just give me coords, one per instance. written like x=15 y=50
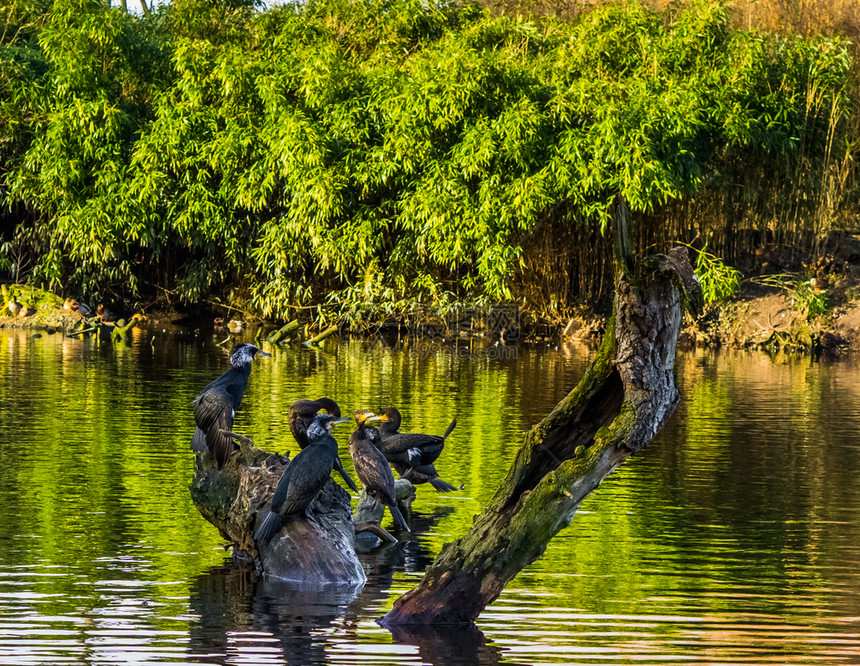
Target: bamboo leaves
x=381 y=150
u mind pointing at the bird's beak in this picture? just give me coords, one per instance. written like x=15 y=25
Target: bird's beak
x=262 y=353
x=342 y=419
x=374 y=417
x=382 y=417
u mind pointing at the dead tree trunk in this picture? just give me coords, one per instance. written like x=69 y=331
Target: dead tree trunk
x=312 y=551
x=627 y=394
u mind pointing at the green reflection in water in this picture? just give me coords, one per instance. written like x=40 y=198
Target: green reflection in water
x=741 y=518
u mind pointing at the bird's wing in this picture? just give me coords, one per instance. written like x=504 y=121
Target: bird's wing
x=310 y=471
x=430 y=445
x=213 y=412
x=372 y=469
x=281 y=490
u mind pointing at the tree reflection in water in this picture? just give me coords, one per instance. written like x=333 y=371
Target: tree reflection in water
x=240 y=616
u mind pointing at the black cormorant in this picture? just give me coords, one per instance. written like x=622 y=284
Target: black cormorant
x=372 y=467
x=304 y=477
x=302 y=413
x=216 y=405
x=412 y=454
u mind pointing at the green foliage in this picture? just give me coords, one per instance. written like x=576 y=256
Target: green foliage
x=719 y=282
x=804 y=297
x=370 y=153
x=809 y=300
x=6 y=263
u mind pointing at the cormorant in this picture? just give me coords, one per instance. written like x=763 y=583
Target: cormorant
x=302 y=413
x=372 y=467
x=304 y=477
x=412 y=454
x=216 y=405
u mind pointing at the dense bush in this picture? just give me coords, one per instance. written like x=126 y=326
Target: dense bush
x=367 y=154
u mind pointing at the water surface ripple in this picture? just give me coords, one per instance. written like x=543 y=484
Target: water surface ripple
x=732 y=539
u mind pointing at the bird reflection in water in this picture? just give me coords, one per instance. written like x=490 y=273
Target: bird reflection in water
x=243 y=617
x=240 y=617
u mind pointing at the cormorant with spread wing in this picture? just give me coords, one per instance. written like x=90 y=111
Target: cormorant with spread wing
x=216 y=405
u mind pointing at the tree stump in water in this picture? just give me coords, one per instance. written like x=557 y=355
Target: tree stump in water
x=626 y=395
x=369 y=513
x=311 y=551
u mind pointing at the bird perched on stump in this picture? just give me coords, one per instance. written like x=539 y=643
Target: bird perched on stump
x=304 y=477
x=302 y=413
x=412 y=454
x=216 y=405
x=372 y=467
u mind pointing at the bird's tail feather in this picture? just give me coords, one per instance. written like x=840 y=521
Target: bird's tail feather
x=198 y=442
x=269 y=527
x=450 y=428
x=442 y=486
x=399 y=520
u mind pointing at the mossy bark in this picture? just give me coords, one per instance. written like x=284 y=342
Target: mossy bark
x=626 y=395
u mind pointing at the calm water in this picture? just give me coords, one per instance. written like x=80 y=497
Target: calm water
x=734 y=538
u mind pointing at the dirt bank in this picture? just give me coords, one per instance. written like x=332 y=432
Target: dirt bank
x=767 y=317
x=771 y=318
x=764 y=317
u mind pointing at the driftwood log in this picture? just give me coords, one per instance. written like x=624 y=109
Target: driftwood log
x=626 y=395
x=310 y=551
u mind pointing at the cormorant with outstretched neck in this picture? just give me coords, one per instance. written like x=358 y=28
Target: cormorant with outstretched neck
x=302 y=413
x=412 y=454
x=216 y=405
x=372 y=467
x=304 y=477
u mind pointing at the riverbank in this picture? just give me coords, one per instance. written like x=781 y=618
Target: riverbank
x=772 y=319
x=762 y=316
x=796 y=318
